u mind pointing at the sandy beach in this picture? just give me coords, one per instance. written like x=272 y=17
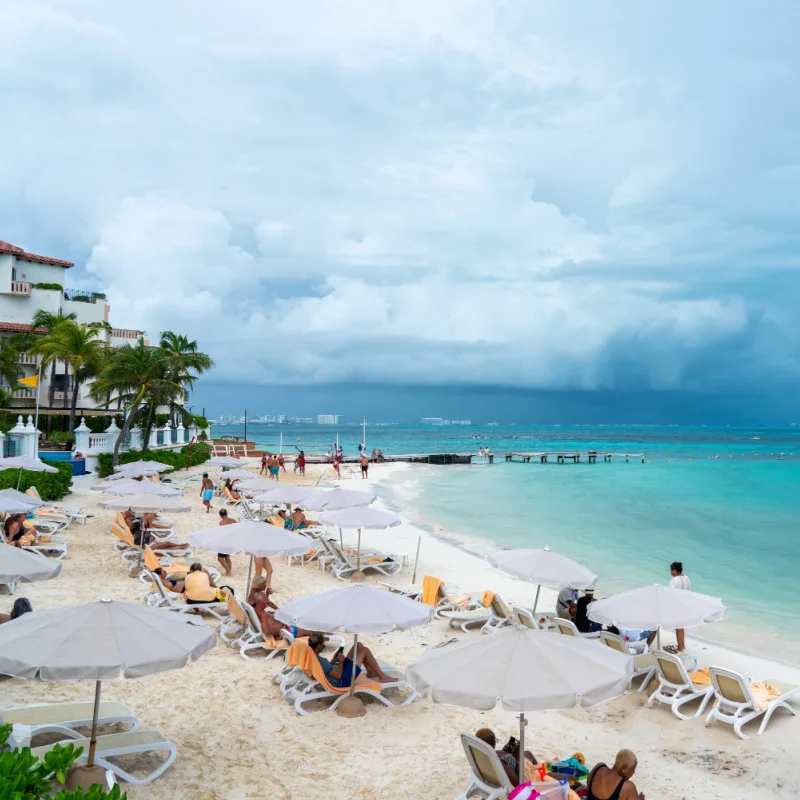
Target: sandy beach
x=237 y=739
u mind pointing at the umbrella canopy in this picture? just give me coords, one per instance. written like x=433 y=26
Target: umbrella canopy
x=355 y=609
x=19 y=497
x=254 y=538
x=337 y=499
x=101 y=641
x=17 y=565
x=363 y=517
x=24 y=462
x=523 y=670
x=225 y=461
x=239 y=474
x=652 y=607
x=544 y=568
x=144 y=503
x=284 y=494
x=256 y=484
x=142 y=487
x=151 y=466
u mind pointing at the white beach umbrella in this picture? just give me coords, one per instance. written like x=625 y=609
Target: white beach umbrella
x=362 y=518
x=523 y=670
x=100 y=641
x=11 y=502
x=226 y=461
x=256 y=484
x=25 y=463
x=254 y=538
x=152 y=466
x=239 y=474
x=354 y=609
x=18 y=565
x=544 y=568
x=337 y=499
x=145 y=503
x=142 y=487
x=291 y=495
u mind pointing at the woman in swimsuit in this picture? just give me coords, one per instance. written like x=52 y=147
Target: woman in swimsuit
x=614 y=783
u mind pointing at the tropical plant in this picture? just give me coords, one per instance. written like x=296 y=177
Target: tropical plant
x=186 y=364
x=42 y=324
x=10 y=371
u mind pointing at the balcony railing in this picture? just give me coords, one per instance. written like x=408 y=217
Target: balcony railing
x=27 y=358
x=82 y=296
x=21 y=287
x=24 y=394
x=59 y=395
x=125 y=333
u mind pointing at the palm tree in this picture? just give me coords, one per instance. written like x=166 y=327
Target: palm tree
x=135 y=374
x=46 y=322
x=185 y=363
x=10 y=371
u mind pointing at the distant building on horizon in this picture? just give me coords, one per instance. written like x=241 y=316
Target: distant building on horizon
x=329 y=419
x=438 y=421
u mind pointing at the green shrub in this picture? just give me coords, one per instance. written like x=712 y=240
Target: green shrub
x=201 y=422
x=161 y=420
x=25 y=777
x=56 y=287
x=199 y=455
x=51 y=485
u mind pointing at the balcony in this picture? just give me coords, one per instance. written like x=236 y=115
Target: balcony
x=59 y=394
x=82 y=296
x=125 y=333
x=27 y=358
x=24 y=394
x=21 y=287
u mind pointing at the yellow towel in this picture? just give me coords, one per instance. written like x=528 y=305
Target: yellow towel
x=301 y=655
x=763 y=694
x=488 y=598
x=430 y=590
x=702 y=677
x=275 y=643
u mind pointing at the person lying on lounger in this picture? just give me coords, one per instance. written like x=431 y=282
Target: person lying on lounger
x=339 y=671
x=229 y=486
x=299 y=520
x=143 y=538
x=169 y=585
x=509 y=755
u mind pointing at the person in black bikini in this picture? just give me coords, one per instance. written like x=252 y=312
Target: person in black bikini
x=614 y=783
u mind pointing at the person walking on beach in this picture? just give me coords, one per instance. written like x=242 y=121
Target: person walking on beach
x=679 y=581
x=207 y=492
x=225 y=558
x=364 y=466
x=263 y=464
x=301 y=462
x=281 y=462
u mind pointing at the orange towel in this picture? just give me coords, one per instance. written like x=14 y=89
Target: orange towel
x=301 y=655
x=430 y=590
x=702 y=677
x=763 y=694
x=276 y=521
x=488 y=598
x=236 y=611
x=275 y=643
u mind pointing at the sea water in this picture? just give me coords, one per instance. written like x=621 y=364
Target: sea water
x=724 y=501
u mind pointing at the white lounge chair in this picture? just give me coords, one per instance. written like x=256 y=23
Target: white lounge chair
x=524 y=618
x=348 y=564
x=676 y=688
x=55 y=548
x=115 y=745
x=64 y=718
x=159 y=597
x=488 y=780
x=75 y=513
x=568 y=628
x=736 y=705
x=254 y=637
x=492 y=618
x=643 y=663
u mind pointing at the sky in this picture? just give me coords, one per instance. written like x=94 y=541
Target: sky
x=461 y=198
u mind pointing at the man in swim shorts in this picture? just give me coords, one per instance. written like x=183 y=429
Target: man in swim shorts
x=207 y=492
x=225 y=558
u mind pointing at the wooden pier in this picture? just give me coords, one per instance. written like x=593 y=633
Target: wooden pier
x=590 y=457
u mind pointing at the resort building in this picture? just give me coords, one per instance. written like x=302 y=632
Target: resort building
x=29 y=282
x=329 y=419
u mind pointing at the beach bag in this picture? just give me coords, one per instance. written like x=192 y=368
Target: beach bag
x=524 y=791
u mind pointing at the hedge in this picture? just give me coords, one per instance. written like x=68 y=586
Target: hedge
x=51 y=485
x=200 y=454
x=54 y=287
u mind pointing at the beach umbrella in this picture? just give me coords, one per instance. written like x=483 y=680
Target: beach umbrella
x=142 y=487
x=337 y=499
x=655 y=607
x=524 y=670
x=12 y=501
x=18 y=565
x=239 y=474
x=100 y=641
x=362 y=518
x=254 y=538
x=225 y=461
x=151 y=466
x=544 y=568
x=291 y=495
x=25 y=462
x=354 y=609
x=256 y=484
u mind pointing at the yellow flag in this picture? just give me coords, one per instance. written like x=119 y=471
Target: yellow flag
x=32 y=381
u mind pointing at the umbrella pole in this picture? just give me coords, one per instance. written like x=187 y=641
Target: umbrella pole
x=352 y=706
x=249 y=573
x=416 y=561
x=658 y=638
x=93 y=739
x=19 y=478
x=536 y=599
x=358 y=575
x=521 y=764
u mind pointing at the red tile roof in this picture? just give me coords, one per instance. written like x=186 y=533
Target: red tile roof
x=19 y=327
x=5 y=247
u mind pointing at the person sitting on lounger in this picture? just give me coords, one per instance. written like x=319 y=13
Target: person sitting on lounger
x=142 y=538
x=199 y=586
x=21 y=532
x=340 y=671
x=169 y=585
x=229 y=486
x=509 y=755
x=566 y=603
x=614 y=783
x=264 y=607
x=582 y=621
x=299 y=519
x=21 y=606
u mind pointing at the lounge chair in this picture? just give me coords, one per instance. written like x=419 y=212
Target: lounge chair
x=160 y=534
x=122 y=744
x=75 y=513
x=676 y=688
x=160 y=597
x=643 y=663
x=438 y=595
x=524 y=618
x=491 y=617
x=234 y=625
x=55 y=548
x=254 y=637
x=64 y=718
x=319 y=688
x=346 y=564
x=568 y=628
x=738 y=702
x=488 y=780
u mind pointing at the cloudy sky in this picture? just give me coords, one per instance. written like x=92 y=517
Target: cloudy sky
x=587 y=197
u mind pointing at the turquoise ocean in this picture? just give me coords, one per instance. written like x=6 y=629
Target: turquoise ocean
x=724 y=501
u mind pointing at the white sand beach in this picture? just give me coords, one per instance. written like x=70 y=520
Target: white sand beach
x=237 y=739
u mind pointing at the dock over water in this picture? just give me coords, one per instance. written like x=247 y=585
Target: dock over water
x=551 y=457
x=560 y=457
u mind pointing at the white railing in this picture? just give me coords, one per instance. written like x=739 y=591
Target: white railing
x=59 y=395
x=125 y=333
x=21 y=287
x=23 y=394
x=27 y=358
x=101 y=441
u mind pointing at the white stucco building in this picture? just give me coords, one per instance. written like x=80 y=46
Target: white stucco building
x=29 y=282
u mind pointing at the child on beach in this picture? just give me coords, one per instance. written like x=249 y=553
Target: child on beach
x=207 y=492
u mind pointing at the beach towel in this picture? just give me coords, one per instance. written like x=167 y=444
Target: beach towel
x=430 y=590
x=702 y=677
x=301 y=655
x=763 y=694
x=274 y=643
x=236 y=611
x=488 y=598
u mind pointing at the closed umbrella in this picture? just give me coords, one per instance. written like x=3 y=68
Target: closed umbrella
x=18 y=565
x=544 y=568
x=354 y=609
x=362 y=518
x=337 y=499
x=25 y=462
x=100 y=641
x=254 y=538
x=655 y=607
x=523 y=670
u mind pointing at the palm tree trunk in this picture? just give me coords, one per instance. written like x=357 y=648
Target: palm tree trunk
x=66 y=383
x=126 y=427
x=148 y=428
x=52 y=387
x=74 y=403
